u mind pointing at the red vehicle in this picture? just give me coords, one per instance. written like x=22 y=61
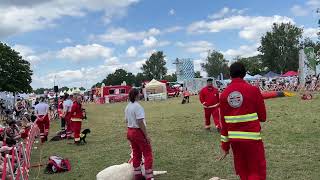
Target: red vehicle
x=171 y=91
x=116 y=93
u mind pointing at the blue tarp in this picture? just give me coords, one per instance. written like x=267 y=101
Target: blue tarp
x=271 y=74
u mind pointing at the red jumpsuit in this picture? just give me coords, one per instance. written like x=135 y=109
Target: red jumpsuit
x=242 y=109
x=76 y=120
x=43 y=123
x=209 y=98
x=60 y=108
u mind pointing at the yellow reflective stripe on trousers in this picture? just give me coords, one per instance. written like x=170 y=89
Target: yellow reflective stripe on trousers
x=224 y=138
x=244 y=135
x=241 y=118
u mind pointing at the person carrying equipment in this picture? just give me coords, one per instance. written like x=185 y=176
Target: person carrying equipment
x=242 y=109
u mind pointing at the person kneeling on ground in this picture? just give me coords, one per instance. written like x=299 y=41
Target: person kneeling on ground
x=138 y=137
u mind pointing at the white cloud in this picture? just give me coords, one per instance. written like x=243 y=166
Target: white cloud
x=148 y=53
x=150 y=42
x=113 y=61
x=243 y=51
x=196 y=46
x=163 y=43
x=132 y=51
x=65 y=40
x=299 y=10
x=86 y=76
x=137 y=66
x=226 y=12
x=173 y=29
x=197 y=67
x=309 y=7
x=121 y=35
x=313 y=3
x=251 y=27
x=23 y=50
x=220 y=14
x=27 y=53
x=310 y=32
x=85 y=52
x=23 y=16
x=172 y=12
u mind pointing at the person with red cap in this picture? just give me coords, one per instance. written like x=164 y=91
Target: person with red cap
x=242 y=109
x=209 y=98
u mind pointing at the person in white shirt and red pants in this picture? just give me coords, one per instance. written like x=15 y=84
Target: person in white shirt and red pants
x=138 y=137
x=67 y=105
x=43 y=121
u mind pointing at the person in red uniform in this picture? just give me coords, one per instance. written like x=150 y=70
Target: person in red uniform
x=138 y=137
x=43 y=121
x=67 y=105
x=209 y=98
x=76 y=118
x=242 y=109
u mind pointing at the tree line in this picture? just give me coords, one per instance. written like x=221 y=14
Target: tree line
x=64 y=88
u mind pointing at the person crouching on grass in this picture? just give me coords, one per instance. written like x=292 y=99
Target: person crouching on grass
x=138 y=136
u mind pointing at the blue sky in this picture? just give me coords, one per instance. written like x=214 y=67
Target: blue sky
x=77 y=43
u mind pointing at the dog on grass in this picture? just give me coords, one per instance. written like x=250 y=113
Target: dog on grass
x=83 y=135
x=123 y=171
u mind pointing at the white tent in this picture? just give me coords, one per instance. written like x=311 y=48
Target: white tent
x=61 y=93
x=156 y=90
x=249 y=77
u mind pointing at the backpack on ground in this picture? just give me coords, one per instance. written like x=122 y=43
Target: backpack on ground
x=57 y=164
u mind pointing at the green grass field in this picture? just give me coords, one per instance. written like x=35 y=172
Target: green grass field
x=183 y=148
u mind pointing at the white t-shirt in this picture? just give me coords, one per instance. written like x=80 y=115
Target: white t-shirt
x=67 y=105
x=42 y=108
x=133 y=112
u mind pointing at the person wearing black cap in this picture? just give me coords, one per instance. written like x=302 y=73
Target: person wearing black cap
x=209 y=98
x=242 y=109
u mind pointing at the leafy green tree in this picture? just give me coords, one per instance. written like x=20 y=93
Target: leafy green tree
x=215 y=64
x=253 y=64
x=98 y=85
x=139 y=79
x=64 y=88
x=197 y=74
x=15 y=72
x=155 y=66
x=280 y=48
x=171 y=78
x=40 y=91
x=118 y=77
x=307 y=42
